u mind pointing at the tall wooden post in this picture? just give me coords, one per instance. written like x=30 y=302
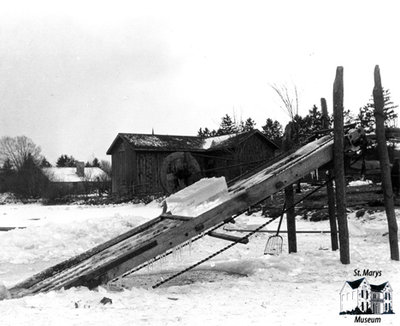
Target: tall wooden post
x=289 y=195
x=329 y=185
x=340 y=181
x=385 y=165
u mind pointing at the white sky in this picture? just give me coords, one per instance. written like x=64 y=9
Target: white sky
x=75 y=73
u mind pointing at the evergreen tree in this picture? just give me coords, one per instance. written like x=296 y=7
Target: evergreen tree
x=366 y=113
x=30 y=179
x=227 y=126
x=247 y=125
x=95 y=163
x=273 y=130
x=45 y=163
x=305 y=127
x=66 y=161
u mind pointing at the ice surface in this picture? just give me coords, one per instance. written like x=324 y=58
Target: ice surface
x=293 y=289
x=198 y=197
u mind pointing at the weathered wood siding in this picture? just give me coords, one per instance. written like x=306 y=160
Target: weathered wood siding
x=253 y=152
x=231 y=163
x=138 y=171
x=148 y=172
x=123 y=169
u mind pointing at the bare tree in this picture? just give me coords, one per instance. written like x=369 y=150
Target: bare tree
x=289 y=98
x=17 y=150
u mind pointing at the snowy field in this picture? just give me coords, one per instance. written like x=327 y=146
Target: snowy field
x=241 y=286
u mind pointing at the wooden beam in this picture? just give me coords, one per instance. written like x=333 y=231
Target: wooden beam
x=385 y=164
x=329 y=185
x=274 y=231
x=289 y=194
x=228 y=237
x=176 y=217
x=339 y=167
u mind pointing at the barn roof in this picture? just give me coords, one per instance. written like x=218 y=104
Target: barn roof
x=68 y=174
x=185 y=143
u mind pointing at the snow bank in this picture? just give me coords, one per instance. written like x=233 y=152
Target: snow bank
x=198 y=197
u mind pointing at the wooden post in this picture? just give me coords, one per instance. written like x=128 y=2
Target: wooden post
x=340 y=181
x=289 y=195
x=385 y=165
x=329 y=185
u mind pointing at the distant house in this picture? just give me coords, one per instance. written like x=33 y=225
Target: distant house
x=364 y=296
x=149 y=164
x=79 y=179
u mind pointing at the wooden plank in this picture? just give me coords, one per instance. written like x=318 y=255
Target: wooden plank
x=75 y=275
x=49 y=272
x=227 y=237
x=274 y=231
x=176 y=217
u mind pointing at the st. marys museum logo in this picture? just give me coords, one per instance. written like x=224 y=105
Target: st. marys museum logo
x=359 y=297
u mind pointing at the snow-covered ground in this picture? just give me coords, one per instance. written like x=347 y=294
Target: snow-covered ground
x=240 y=286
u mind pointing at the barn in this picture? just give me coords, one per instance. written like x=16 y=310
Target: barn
x=162 y=164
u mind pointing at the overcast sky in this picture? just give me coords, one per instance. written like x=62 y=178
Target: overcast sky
x=74 y=74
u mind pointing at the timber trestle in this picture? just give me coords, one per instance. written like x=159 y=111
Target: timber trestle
x=156 y=238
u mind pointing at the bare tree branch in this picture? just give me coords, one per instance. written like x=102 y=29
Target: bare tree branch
x=289 y=99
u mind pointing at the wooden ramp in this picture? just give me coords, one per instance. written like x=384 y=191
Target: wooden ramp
x=160 y=235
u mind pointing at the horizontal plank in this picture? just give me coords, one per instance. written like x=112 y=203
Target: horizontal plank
x=274 y=231
x=176 y=217
x=228 y=237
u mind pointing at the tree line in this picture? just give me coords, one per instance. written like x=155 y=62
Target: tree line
x=305 y=126
x=21 y=171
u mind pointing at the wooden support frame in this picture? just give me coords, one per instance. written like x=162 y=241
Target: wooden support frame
x=156 y=237
x=289 y=195
x=339 y=166
x=385 y=164
x=329 y=185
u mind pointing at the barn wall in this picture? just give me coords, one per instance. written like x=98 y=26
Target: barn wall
x=221 y=163
x=149 y=164
x=138 y=172
x=123 y=169
x=246 y=156
x=148 y=172
x=253 y=151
